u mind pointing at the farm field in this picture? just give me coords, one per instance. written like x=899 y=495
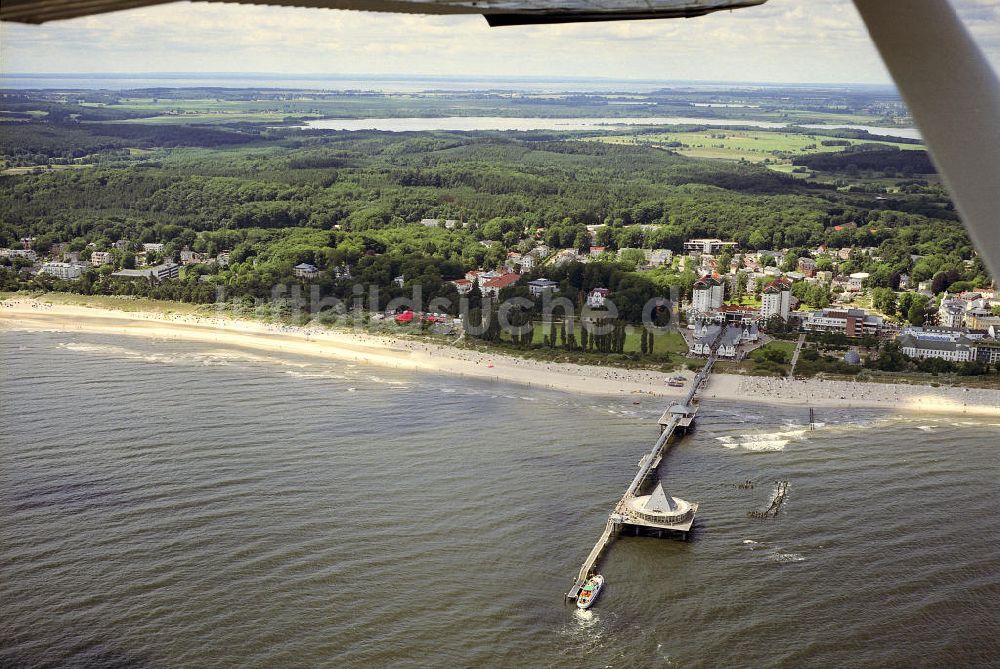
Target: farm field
x=750 y=145
x=792 y=115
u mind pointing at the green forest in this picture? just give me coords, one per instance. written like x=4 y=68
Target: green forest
x=277 y=196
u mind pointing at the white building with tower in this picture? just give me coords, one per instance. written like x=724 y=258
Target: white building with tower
x=776 y=300
x=707 y=294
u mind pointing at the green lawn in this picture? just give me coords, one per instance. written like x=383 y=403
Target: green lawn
x=787 y=346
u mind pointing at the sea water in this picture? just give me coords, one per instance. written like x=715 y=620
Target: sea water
x=172 y=504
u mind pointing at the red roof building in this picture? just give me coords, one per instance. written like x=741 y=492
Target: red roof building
x=494 y=286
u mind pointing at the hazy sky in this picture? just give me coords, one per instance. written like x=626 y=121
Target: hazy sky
x=781 y=41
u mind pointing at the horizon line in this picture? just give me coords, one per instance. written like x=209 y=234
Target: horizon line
x=513 y=78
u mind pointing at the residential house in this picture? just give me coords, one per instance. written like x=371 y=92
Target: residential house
x=981 y=318
x=189 y=257
x=305 y=270
x=658 y=257
x=705 y=335
x=707 y=264
x=567 y=256
x=807 y=266
x=482 y=277
x=951 y=312
x=98 y=258
x=539 y=286
x=495 y=285
x=856 y=281
x=519 y=262
x=597 y=297
x=463 y=286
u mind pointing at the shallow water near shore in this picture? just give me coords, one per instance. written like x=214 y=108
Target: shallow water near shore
x=177 y=504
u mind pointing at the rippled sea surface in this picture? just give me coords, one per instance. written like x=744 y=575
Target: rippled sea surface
x=170 y=505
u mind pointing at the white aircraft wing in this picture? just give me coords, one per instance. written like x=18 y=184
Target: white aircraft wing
x=497 y=12
x=954 y=96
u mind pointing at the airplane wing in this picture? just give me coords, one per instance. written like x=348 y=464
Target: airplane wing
x=954 y=96
x=497 y=12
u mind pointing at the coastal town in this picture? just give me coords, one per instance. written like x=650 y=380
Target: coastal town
x=761 y=295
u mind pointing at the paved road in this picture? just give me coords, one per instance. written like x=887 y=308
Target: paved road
x=795 y=355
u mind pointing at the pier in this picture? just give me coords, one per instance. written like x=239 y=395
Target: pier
x=657 y=511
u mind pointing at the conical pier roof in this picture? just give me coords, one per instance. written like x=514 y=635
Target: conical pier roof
x=660 y=502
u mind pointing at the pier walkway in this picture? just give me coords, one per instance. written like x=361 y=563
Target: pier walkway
x=676 y=420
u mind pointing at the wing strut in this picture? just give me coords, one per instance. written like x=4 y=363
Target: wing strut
x=954 y=96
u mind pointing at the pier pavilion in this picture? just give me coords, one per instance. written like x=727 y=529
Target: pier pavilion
x=659 y=512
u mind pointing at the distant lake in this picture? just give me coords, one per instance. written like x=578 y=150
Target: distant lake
x=468 y=123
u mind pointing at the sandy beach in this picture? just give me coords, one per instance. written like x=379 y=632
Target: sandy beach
x=410 y=353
